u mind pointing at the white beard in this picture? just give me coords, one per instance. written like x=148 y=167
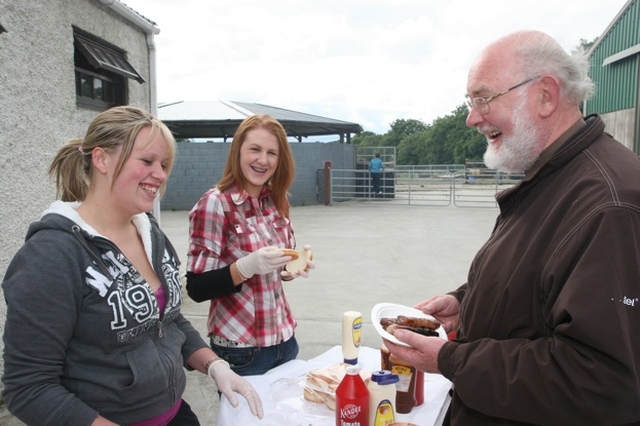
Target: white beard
x=519 y=152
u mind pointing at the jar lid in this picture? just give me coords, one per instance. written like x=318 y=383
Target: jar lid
x=384 y=377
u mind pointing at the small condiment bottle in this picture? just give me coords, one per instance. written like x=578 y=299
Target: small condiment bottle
x=406 y=386
x=352 y=400
x=351 y=336
x=382 y=398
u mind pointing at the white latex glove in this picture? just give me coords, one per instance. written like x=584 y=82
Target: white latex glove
x=288 y=276
x=262 y=261
x=229 y=383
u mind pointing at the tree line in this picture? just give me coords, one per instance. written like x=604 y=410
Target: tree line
x=447 y=140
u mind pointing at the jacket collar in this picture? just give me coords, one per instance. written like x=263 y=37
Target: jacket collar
x=550 y=151
x=574 y=144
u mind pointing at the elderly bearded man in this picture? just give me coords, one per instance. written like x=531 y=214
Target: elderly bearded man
x=548 y=322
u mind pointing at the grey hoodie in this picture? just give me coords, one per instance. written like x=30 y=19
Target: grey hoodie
x=83 y=333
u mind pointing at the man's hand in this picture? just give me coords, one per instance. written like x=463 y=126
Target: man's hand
x=423 y=350
x=444 y=308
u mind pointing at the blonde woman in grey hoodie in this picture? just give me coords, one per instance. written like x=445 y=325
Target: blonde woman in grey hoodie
x=94 y=334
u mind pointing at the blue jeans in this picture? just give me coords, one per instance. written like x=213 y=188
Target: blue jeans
x=254 y=360
x=375 y=177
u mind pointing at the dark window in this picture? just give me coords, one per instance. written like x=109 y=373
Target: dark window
x=102 y=72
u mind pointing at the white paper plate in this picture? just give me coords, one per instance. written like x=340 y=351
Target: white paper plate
x=391 y=310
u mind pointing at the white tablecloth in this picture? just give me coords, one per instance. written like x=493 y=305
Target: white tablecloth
x=284 y=405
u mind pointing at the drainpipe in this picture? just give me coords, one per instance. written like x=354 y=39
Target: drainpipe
x=150 y=30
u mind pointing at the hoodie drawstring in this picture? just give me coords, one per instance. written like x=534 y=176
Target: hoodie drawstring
x=77 y=232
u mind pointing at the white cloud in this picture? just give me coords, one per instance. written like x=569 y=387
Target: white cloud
x=366 y=61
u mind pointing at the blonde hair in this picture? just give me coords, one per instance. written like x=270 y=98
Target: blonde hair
x=119 y=126
x=281 y=180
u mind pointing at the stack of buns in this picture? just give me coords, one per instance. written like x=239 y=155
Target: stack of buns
x=321 y=384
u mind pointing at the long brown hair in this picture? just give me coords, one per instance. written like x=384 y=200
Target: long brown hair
x=71 y=167
x=281 y=180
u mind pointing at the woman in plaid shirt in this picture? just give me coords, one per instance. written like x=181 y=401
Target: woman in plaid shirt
x=236 y=232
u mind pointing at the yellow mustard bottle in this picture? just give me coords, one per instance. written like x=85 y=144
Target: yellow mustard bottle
x=382 y=398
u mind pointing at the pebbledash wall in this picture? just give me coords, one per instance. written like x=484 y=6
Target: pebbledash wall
x=38 y=98
x=199 y=166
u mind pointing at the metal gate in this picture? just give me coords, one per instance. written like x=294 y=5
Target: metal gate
x=432 y=185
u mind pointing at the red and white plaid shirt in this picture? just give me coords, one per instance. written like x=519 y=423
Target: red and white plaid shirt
x=225 y=227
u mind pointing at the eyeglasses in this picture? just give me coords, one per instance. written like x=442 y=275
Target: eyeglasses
x=481 y=105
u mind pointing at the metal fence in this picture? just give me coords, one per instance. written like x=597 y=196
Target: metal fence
x=435 y=185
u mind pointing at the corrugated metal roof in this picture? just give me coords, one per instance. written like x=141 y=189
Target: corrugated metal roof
x=220 y=119
x=285 y=114
x=201 y=110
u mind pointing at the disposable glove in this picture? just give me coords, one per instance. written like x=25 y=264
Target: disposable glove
x=229 y=383
x=261 y=261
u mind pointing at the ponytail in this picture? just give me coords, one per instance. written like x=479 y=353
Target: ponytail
x=116 y=127
x=70 y=169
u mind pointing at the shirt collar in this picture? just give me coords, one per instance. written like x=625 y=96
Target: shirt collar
x=239 y=196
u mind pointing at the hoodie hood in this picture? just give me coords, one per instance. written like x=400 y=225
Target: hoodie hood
x=64 y=216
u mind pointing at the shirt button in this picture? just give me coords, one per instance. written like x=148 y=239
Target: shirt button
x=277 y=295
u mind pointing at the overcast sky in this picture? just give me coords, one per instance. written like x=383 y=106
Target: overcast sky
x=365 y=61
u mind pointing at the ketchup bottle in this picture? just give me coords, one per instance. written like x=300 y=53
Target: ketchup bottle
x=352 y=400
x=406 y=387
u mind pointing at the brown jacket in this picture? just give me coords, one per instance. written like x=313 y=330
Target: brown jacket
x=550 y=317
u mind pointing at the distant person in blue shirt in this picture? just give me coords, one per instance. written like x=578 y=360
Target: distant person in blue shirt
x=375 y=167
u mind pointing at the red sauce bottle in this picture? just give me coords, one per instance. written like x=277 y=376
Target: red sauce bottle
x=385 y=364
x=352 y=400
x=406 y=387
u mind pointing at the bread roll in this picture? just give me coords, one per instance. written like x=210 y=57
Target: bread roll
x=291 y=252
x=299 y=262
x=320 y=385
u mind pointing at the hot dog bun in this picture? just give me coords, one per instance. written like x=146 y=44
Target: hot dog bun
x=320 y=385
x=291 y=252
x=299 y=262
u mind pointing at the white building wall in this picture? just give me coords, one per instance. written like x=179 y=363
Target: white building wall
x=621 y=125
x=38 y=111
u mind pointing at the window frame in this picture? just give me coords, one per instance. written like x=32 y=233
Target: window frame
x=97 y=60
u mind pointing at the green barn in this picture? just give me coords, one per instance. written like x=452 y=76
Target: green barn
x=615 y=69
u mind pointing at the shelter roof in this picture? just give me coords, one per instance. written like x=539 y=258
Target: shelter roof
x=220 y=119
